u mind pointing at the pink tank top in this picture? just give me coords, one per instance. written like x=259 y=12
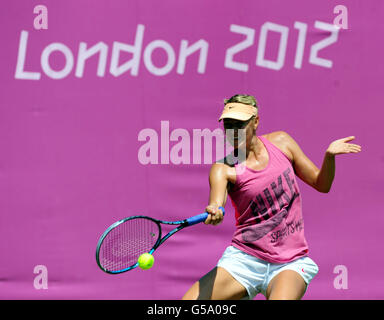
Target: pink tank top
x=269 y=222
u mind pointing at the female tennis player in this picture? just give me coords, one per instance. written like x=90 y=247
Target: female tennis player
x=268 y=253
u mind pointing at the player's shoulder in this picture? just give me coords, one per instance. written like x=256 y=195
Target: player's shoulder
x=282 y=140
x=223 y=164
x=277 y=136
x=224 y=167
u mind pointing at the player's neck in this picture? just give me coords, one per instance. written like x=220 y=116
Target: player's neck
x=251 y=152
x=255 y=148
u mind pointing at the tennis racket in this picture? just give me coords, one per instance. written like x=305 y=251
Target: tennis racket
x=121 y=245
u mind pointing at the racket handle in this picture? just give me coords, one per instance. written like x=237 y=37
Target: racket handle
x=201 y=217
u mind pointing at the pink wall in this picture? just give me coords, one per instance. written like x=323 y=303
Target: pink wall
x=69 y=135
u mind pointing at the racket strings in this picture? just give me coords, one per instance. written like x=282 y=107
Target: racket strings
x=126 y=242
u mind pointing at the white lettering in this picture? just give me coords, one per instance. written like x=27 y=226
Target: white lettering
x=313 y=57
x=148 y=57
x=56 y=46
x=41 y=280
x=85 y=54
x=20 y=73
x=186 y=51
x=260 y=60
x=341 y=281
x=250 y=35
x=132 y=64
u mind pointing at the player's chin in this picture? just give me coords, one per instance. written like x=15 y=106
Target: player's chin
x=240 y=145
x=235 y=141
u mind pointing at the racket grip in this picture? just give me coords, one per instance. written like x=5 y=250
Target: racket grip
x=201 y=217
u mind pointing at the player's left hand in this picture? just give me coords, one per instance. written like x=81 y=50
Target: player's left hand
x=341 y=146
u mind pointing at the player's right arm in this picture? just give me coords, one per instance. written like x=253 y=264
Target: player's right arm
x=218 y=181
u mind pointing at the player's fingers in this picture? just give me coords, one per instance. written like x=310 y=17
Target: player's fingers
x=350 y=138
x=211 y=210
x=208 y=220
x=353 y=145
x=353 y=148
x=214 y=217
x=218 y=217
x=220 y=214
x=211 y=213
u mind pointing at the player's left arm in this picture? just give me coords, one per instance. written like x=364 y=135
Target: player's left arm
x=306 y=170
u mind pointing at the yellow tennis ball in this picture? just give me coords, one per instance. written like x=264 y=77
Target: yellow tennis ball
x=146 y=261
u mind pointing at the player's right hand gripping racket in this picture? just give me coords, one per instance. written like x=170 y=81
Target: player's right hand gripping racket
x=123 y=242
